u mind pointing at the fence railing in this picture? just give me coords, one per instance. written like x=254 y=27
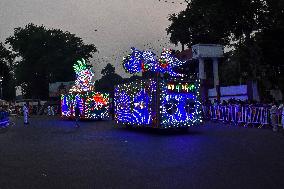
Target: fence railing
x=240 y=114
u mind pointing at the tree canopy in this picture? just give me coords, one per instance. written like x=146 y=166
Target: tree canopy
x=254 y=28
x=45 y=56
x=108 y=80
x=215 y=21
x=8 y=84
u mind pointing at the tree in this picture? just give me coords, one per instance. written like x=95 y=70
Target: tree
x=108 y=70
x=179 y=29
x=201 y=22
x=108 y=80
x=8 y=83
x=215 y=21
x=46 y=56
x=256 y=27
x=271 y=42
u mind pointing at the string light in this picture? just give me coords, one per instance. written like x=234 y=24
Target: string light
x=139 y=103
x=141 y=61
x=134 y=102
x=92 y=105
x=180 y=103
x=170 y=102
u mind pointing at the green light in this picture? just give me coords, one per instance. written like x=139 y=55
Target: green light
x=192 y=87
x=81 y=65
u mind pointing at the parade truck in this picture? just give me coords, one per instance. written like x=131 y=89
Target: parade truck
x=93 y=105
x=166 y=100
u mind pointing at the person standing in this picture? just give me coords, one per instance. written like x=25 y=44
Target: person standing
x=52 y=110
x=77 y=115
x=48 y=110
x=26 y=114
x=273 y=117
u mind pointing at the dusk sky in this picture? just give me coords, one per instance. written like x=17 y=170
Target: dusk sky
x=120 y=24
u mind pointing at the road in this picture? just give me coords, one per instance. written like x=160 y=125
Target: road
x=52 y=153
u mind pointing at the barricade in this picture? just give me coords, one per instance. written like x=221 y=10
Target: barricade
x=244 y=115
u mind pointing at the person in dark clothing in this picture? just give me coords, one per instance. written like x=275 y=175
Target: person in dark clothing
x=77 y=115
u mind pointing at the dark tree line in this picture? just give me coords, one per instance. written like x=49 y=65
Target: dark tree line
x=254 y=28
x=35 y=56
x=39 y=56
x=6 y=73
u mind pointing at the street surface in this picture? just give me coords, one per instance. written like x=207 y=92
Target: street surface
x=52 y=153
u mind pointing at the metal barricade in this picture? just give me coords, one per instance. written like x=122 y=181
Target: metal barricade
x=244 y=115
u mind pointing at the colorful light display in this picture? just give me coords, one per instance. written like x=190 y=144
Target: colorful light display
x=84 y=76
x=158 y=103
x=141 y=61
x=180 y=104
x=92 y=105
x=168 y=102
x=135 y=102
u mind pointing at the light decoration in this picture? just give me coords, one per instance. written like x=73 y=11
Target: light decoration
x=180 y=103
x=142 y=61
x=158 y=103
x=167 y=62
x=92 y=105
x=84 y=76
x=134 y=102
x=168 y=102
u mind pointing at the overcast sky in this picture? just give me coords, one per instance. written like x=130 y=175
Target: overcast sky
x=120 y=24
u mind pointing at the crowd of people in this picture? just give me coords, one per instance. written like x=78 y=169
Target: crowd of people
x=50 y=110
x=245 y=113
x=26 y=111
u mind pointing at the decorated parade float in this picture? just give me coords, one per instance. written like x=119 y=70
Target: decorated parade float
x=92 y=104
x=164 y=100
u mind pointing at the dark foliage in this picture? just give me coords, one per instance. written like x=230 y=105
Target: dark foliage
x=46 y=56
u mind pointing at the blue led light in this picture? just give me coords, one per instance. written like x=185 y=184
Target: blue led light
x=137 y=103
x=141 y=61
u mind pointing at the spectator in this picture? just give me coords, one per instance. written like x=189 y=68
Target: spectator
x=52 y=110
x=273 y=117
x=77 y=115
x=48 y=110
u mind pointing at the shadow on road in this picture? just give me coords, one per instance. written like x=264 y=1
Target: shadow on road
x=69 y=131
x=3 y=130
x=165 y=132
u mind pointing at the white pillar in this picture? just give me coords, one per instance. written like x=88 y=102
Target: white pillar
x=215 y=72
x=201 y=69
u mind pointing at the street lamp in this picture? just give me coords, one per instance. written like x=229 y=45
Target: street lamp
x=1 y=93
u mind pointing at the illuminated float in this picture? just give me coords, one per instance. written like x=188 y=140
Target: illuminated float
x=92 y=104
x=166 y=100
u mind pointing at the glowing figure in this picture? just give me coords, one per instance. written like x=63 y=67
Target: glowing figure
x=141 y=61
x=92 y=105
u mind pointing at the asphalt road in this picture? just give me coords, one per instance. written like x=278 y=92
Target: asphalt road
x=52 y=153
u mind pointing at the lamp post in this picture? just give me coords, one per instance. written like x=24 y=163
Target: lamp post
x=1 y=92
